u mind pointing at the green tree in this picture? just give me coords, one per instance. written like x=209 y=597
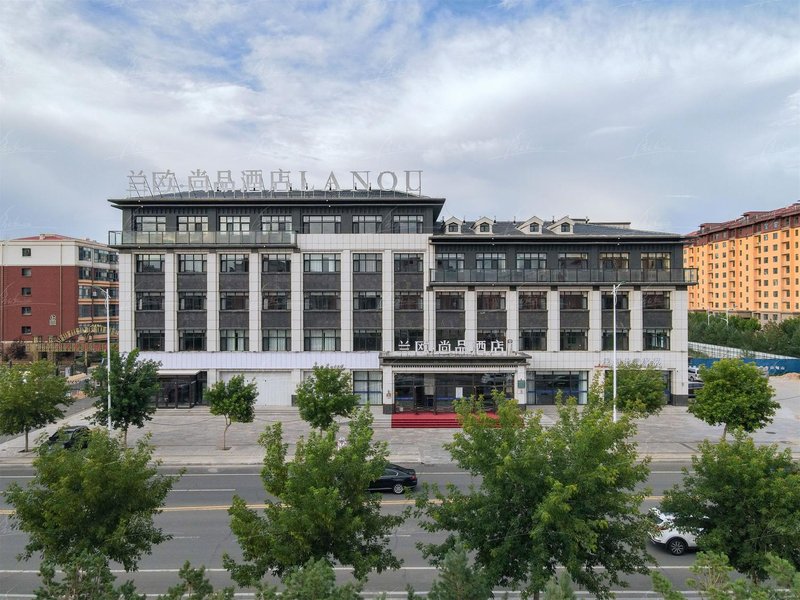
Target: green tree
x=234 y=400
x=322 y=509
x=559 y=589
x=457 y=580
x=640 y=388
x=100 y=500
x=326 y=394
x=742 y=500
x=134 y=384
x=734 y=394
x=31 y=396
x=195 y=585
x=315 y=579
x=85 y=577
x=563 y=495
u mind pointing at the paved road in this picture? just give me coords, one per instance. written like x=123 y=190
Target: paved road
x=196 y=517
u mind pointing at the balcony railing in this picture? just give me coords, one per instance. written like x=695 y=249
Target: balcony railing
x=550 y=276
x=201 y=238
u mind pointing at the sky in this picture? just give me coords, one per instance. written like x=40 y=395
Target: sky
x=664 y=114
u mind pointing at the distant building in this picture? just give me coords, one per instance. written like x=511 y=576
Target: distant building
x=49 y=294
x=749 y=266
x=421 y=310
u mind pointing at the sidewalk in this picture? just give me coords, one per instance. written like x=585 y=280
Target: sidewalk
x=186 y=437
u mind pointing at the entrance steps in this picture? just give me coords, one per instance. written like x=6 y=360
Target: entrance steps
x=425 y=420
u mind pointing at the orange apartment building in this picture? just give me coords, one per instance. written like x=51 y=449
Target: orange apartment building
x=749 y=266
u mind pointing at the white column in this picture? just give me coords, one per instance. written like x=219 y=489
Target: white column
x=595 y=341
x=521 y=393
x=429 y=318
x=254 y=308
x=346 y=300
x=512 y=319
x=127 y=303
x=212 y=303
x=170 y=303
x=635 y=334
x=297 y=301
x=388 y=385
x=470 y=318
x=679 y=340
x=553 y=321
x=387 y=309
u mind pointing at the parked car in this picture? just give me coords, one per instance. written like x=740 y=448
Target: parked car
x=394 y=478
x=676 y=541
x=70 y=437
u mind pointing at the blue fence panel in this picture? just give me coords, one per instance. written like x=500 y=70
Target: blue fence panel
x=776 y=366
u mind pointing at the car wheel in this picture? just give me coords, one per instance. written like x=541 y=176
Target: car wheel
x=398 y=488
x=676 y=546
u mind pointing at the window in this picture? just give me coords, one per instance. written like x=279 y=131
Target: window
x=275 y=301
x=608 y=339
x=277 y=340
x=408 y=263
x=449 y=301
x=366 y=300
x=149 y=263
x=192 y=223
x=484 y=228
x=406 y=339
x=26 y=311
x=234 y=263
x=491 y=301
x=367 y=263
x=565 y=228
x=26 y=330
x=367 y=340
x=149 y=223
x=85 y=291
x=614 y=260
x=531 y=260
x=490 y=261
x=533 y=339
x=233 y=301
x=453 y=228
x=573 y=260
x=368 y=386
x=276 y=223
x=573 y=300
x=149 y=300
x=26 y=252
x=85 y=311
x=367 y=223
x=533 y=301
x=656 y=260
x=150 y=339
x=235 y=224
x=408 y=300
x=449 y=335
x=533 y=228
x=192 y=339
x=84 y=253
x=191 y=301
x=407 y=224
x=491 y=335
x=321 y=300
x=607 y=301
x=543 y=386
x=26 y=272
x=574 y=339
x=233 y=340
x=321 y=223
x=656 y=339
x=276 y=263
x=191 y=263
x=655 y=300
x=450 y=261
x=321 y=263
x=321 y=340
x=26 y=291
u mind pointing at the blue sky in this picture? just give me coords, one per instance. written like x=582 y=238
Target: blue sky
x=666 y=114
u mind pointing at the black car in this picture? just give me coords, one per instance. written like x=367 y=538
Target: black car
x=70 y=437
x=395 y=478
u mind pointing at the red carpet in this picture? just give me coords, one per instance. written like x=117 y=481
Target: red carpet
x=426 y=420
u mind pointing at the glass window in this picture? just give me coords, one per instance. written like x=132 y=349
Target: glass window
x=321 y=300
x=453 y=228
x=655 y=300
x=491 y=335
x=191 y=301
x=233 y=301
x=276 y=263
x=543 y=386
x=26 y=310
x=533 y=228
x=368 y=385
x=85 y=311
x=622 y=339
x=614 y=260
x=149 y=223
x=192 y=339
x=533 y=301
x=490 y=261
x=234 y=263
x=656 y=339
x=574 y=339
x=449 y=335
x=367 y=223
x=573 y=300
x=150 y=339
x=149 y=263
x=565 y=227
x=26 y=252
x=26 y=330
x=484 y=228
x=321 y=223
x=451 y=261
x=531 y=260
x=192 y=223
x=192 y=263
x=84 y=253
x=233 y=340
x=277 y=340
x=28 y=272
x=406 y=339
x=321 y=340
x=407 y=224
x=275 y=301
x=656 y=260
x=366 y=340
x=321 y=263
x=149 y=301
x=607 y=300
x=533 y=339
x=367 y=263
x=408 y=300
x=235 y=223
x=407 y=263
x=449 y=300
x=366 y=300
x=491 y=301
x=85 y=291
x=276 y=223
x=573 y=260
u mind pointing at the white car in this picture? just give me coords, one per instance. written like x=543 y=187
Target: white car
x=676 y=541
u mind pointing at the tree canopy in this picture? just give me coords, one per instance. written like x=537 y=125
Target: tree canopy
x=777 y=338
x=640 y=388
x=734 y=394
x=100 y=500
x=31 y=396
x=563 y=495
x=324 y=395
x=234 y=400
x=322 y=509
x=134 y=384
x=742 y=500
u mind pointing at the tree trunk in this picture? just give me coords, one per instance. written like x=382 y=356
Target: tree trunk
x=724 y=431
x=224 y=433
x=27 y=430
x=536 y=595
x=125 y=437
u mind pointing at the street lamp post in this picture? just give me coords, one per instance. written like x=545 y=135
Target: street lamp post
x=108 y=351
x=614 y=289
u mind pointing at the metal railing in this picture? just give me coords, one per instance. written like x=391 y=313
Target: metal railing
x=549 y=276
x=201 y=238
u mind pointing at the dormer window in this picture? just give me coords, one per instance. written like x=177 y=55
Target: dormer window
x=452 y=228
x=484 y=228
x=565 y=228
x=533 y=228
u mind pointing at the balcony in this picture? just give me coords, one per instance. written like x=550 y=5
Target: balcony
x=561 y=276
x=123 y=239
